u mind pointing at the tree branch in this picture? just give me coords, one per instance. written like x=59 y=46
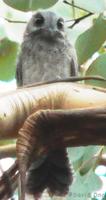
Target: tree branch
x=76 y=21
x=8 y=181
x=16 y=106
x=14 y=21
x=45 y=130
x=48 y=130
x=73 y=5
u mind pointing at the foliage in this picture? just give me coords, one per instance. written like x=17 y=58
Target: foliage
x=89 y=36
x=8 y=53
x=30 y=4
x=92 y=39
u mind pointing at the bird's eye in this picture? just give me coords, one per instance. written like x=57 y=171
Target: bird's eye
x=39 y=21
x=60 y=24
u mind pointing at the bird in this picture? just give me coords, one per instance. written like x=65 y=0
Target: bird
x=46 y=51
x=47 y=54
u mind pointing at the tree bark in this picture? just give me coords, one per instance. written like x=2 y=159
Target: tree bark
x=16 y=106
x=51 y=116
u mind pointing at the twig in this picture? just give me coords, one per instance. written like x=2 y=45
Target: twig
x=73 y=9
x=70 y=79
x=14 y=21
x=8 y=181
x=71 y=4
x=76 y=21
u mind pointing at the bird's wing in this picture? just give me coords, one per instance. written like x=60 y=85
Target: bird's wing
x=18 y=75
x=74 y=67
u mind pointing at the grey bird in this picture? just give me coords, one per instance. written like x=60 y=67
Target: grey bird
x=47 y=54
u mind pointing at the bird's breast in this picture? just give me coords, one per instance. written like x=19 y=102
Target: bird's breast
x=46 y=62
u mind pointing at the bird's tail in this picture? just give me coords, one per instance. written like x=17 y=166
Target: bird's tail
x=54 y=174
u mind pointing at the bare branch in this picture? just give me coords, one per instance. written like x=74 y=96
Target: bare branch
x=73 y=5
x=44 y=130
x=70 y=79
x=8 y=182
x=14 y=21
x=16 y=106
x=48 y=130
x=76 y=21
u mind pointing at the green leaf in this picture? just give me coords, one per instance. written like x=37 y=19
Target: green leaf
x=98 y=67
x=88 y=161
x=104 y=150
x=91 y=40
x=104 y=196
x=95 y=6
x=28 y=5
x=75 y=153
x=2 y=31
x=8 y=54
x=83 y=186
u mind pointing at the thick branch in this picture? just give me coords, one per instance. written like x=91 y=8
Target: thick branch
x=16 y=106
x=45 y=130
x=48 y=130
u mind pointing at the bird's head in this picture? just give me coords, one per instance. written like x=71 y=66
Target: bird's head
x=46 y=25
